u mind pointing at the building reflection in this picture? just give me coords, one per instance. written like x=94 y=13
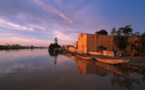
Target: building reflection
x=94 y=67
x=119 y=77
x=88 y=67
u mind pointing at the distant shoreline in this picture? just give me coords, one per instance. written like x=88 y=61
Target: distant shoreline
x=6 y=47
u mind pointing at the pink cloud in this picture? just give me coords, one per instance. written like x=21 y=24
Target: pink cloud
x=10 y=25
x=47 y=8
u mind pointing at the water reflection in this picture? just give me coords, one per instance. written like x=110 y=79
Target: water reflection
x=94 y=67
x=119 y=77
x=37 y=70
x=54 y=54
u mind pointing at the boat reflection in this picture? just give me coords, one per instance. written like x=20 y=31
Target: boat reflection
x=94 y=67
x=118 y=77
x=67 y=55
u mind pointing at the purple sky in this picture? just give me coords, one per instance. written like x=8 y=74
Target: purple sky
x=38 y=22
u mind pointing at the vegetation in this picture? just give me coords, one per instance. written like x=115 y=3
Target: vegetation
x=17 y=46
x=121 y=40
x=121 y=36
x=54 y=45
x=101 y=48
x=54 y=50
x=113 y=32
x=142 y=39
x=102 y=32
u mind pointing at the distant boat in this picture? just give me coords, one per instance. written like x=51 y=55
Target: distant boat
x=112 y=61
x=84 y=57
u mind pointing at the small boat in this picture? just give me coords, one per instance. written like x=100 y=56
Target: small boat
x=112 y=61
x=84 y=57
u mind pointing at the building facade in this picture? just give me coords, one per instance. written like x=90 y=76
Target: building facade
x=90 y=42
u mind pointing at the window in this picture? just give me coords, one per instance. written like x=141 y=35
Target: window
x=81 y=35
x=102 y=44
x=101 y=37
x=89 y=44
x=93 y=36
x=89 y=49
x=98 y=44
x=97 y=37
x=89 y=36
x=105 y=44
x=109 y=44
x=93 y=44
x=109 y=37
x=105 y=37
x=93 y=50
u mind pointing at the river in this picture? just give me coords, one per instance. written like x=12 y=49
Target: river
x=36 y=70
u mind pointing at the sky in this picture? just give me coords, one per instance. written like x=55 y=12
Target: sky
x=38 y=22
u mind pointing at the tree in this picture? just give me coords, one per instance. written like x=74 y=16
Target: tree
x=121 y=42
x=54 y=45
x=142 y=39
x=127 y=30
x=101 y=32
x=101 y=48
x=134 y=47
x=31 y=46
x=121 y=37
x=113 y=31
x=55 y=40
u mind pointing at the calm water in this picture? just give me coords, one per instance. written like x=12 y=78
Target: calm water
x=37 y=70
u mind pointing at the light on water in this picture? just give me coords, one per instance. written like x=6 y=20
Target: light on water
x=37 y=70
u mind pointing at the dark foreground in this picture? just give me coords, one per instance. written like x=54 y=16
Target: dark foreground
x=36 y=70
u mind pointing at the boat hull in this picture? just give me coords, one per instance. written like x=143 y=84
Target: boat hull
x=111 y=61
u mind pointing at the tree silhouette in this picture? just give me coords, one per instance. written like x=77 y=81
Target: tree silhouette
x=55 y=40
x=113 y=31
x=101 y=48
x=101 y=32
x=142 y=39
x=54 y=45
x=121 y=36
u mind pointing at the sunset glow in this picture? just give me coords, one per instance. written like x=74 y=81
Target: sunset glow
x=38 y=22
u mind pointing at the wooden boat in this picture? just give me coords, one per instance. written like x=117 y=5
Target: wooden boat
x=112 y=61
x=83 y=57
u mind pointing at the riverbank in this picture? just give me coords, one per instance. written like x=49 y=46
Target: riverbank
x=136 y=60
x=136 y=63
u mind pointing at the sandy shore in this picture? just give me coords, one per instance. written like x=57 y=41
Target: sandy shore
x=136 y=60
